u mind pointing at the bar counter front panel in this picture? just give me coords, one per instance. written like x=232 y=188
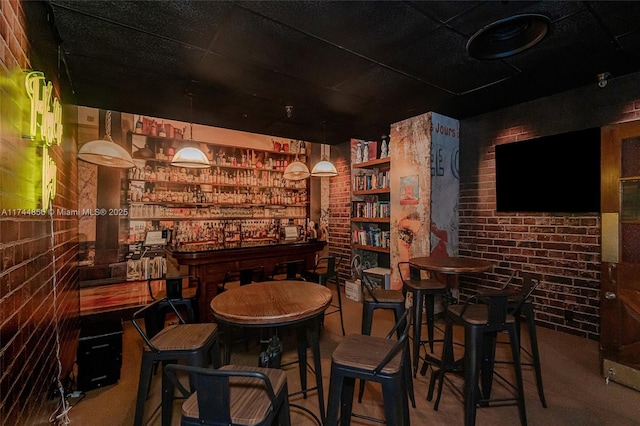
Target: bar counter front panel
x=211 y=263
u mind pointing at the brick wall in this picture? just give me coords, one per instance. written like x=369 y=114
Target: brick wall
x=340 y=209
x=33 y=317
x=563 y=249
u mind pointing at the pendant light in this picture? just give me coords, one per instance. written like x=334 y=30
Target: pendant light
x=105 y=152
x=190 y=157
x=324 y=168
x=297 y=170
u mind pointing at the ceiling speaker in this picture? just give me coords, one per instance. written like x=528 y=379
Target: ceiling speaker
x=508 y=36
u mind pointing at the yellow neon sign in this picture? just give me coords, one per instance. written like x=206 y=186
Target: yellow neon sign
x=46 y=111
x=49 y=179
x=45 y=124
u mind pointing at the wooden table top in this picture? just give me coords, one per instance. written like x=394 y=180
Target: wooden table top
x=451 y=265
x=271 y=303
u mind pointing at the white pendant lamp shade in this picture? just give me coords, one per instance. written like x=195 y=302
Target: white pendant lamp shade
x=324 y=168
x=105 y=152
x=297 y=170
x=191 y=158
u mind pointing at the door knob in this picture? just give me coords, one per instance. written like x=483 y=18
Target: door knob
x=609 y=295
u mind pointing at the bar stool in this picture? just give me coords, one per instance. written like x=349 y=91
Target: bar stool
x=424 y=292
x=173 y=290
x=524 y=309
x=242 y=277
x=371 y=358
x=288 y=270
x=193 y=344
x=481 y=322
x=379 y=298
x=324 y=272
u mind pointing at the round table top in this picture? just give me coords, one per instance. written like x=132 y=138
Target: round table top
x=451 y=265
x=271 y=303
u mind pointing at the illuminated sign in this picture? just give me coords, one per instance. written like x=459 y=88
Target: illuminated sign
x=46 y=111
x=45 y=125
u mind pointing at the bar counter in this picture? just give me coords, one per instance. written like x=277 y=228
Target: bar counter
x=211 y=262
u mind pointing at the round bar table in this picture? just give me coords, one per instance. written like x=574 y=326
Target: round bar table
x=451 y=265
x=279 y=303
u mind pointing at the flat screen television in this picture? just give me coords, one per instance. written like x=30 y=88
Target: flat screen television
x=555 y=174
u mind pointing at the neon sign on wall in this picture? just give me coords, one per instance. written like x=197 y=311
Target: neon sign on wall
x=45 y=125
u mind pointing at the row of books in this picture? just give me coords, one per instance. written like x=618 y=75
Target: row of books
x=365 y=182
x=370 y=209
x=371 y=237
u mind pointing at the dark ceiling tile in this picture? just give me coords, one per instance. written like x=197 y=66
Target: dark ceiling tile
x=371 y=29
x=356 y=66
x=491 y=11
x=619 y=24
x=442 y=60
x=263 y=43
x=190 y=22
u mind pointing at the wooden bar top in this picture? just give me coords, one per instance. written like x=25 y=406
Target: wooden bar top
x=210 y=253
x=211 y=263
x=271 y=303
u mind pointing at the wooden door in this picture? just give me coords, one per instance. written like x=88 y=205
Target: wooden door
x=620 y=273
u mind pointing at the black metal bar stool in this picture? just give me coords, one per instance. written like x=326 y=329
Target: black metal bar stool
x=193 y=344
x=324 y=272
x=371 y=358
x=379 y=298
x=424 y=292
x=523 y=309
x=482 y=322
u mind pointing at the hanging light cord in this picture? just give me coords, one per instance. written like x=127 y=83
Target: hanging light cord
x=107 y=124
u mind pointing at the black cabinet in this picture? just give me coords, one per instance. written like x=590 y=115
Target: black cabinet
x=99 y=354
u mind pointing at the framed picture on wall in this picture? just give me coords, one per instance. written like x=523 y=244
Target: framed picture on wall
x=409 y=190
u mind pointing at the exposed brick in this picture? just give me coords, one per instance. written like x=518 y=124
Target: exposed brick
x=26 y=303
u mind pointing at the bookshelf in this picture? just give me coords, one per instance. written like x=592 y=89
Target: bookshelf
x=370 y=208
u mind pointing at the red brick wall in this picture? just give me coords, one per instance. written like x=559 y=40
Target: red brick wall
x=29 y=307
x=340 y=209
x=563 y=249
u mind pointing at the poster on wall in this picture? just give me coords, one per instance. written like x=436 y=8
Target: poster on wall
x=409 y=190
x=445 y=185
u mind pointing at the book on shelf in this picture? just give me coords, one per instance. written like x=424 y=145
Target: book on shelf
x=372 y=180
x=375 y=209
x=371 y=236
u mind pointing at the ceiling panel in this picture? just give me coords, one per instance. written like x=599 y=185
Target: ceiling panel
x=354 y=67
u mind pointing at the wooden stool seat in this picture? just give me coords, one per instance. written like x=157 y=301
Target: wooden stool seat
x=476 y=314
x=248 y=398
x=183 y=337
x=379 y=295
x=428 y=284
x=350 y=353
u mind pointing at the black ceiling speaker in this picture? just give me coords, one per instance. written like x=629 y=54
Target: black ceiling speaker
x=508 y=36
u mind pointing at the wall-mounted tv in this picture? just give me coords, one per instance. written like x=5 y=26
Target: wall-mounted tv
x=555 y=174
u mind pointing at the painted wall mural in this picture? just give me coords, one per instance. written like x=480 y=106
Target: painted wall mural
x=424 y=188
